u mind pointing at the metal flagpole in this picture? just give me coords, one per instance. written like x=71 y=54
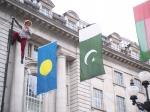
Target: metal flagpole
x=7 y=61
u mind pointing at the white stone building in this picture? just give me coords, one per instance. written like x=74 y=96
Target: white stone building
x=105 y=93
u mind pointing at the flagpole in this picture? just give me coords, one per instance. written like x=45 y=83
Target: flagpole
x=7 y=62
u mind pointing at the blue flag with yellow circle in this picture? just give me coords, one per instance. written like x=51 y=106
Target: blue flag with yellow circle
x=47 y=68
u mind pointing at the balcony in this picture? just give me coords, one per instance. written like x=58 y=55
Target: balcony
x=118 y=48
x=32 y=3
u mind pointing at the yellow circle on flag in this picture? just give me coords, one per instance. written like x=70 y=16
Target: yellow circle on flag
x=46 y=67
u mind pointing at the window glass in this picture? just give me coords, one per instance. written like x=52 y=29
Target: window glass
x=29 y=49
x=97 y=99
x=34 y=1
x=115 y=46
x=118 y=78
x=45 y=11
x=138 y=84
x=134 y=55
x=72 y=25
x=35 y=52
x=33 y=102
x=120 y=104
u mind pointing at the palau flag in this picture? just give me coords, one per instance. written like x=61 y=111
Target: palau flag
x=142 y=22
x=47 y=68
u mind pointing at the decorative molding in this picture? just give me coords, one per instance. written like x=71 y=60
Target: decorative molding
x=66 y=52
x=125 y=59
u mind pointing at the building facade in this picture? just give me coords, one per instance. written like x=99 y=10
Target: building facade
x=105 y=93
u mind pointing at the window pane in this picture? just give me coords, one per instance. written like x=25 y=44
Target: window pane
x=120 y=104
x=118 y=78
x=97 y=99
x=115 y=46
x=138 y=84
x=35 y=52
x=29 y=49
x=33 y=102
x=44 y=11
x=72 y=25
x=134 y=55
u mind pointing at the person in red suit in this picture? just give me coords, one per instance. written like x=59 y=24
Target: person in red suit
x=22 y=37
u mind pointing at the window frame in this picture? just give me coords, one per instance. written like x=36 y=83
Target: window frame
x=135 y=55
x=138 y=83
x=118 y=78
x=35 y=52
x=32 y=101
x=31 y=51
x=123 y=105
x=115 y=46
x=44 y=10
x=99 y=100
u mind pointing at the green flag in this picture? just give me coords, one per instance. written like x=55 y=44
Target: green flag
x=142 y=22
x=91 y=61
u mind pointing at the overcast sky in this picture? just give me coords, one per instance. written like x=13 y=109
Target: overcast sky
x=112 y=15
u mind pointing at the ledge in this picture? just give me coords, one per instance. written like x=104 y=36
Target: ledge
x=115 y=84
x=94 y=108
x=125 y=58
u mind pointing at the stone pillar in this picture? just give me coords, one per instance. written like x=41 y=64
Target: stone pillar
x=49 y=101
x=16 y=102
x=61 y=94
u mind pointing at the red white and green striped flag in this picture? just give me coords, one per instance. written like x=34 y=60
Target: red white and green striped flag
x=142 y=22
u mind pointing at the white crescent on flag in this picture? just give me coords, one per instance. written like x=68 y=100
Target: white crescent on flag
x=88 y=54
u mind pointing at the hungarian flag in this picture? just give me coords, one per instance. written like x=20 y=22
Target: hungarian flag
x=142 y=22
x=91 y=61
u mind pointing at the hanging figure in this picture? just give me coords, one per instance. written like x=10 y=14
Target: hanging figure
x=22 y=36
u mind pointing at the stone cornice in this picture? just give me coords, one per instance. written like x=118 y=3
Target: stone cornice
x=125 y=58
x=66 y=52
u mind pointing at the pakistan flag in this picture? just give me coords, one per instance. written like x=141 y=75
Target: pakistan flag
x=91 y=61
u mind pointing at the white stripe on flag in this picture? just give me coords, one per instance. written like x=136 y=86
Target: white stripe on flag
x=89 y=32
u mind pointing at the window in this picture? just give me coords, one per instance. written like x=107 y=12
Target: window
x=29 y=49
x=33 y=102
x=72 y=25
x=115 y=46
x=45 y=11
x=97 y=99
x=120 y=104
x=35 y=52
x=32 y=51
x=119 y=78
x=34 y=1
x=135 y=55
x=138 y=84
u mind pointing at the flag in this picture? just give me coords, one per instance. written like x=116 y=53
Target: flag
x=142 y=22
x=91 y=61
x=47 y=68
